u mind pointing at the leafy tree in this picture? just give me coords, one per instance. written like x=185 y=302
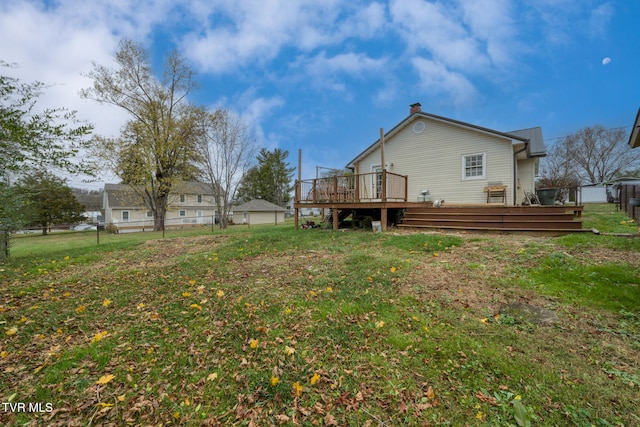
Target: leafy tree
x=270 y=179
x=49 y=200
x=226 y=150
x=51 y=138
x=157 y=147
x=12 y=215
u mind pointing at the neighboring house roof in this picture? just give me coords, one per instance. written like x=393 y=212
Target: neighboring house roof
x=532 y=136
x=121 y=196
x=259 y=205
x=634 y=138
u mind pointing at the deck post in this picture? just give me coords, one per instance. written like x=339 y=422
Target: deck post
x=383 y=218
x=336 y=217
x=406 y=188
x=296 y=200
x=384 y=185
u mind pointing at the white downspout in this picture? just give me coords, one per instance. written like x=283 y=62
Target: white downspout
x=515 y=173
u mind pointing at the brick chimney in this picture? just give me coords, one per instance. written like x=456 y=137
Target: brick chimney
x=415 y=108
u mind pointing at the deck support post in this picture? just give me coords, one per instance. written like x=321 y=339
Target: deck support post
x=383 y=218
x=336 y=217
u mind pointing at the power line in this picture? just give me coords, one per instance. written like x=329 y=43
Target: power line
x=562 y=137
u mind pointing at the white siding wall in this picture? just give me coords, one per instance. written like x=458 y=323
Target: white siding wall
x=433 y=161
x=527 y=178
x=255 y=218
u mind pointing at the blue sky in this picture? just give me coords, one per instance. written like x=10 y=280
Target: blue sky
x=325 y=76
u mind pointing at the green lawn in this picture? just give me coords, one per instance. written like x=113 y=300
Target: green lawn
x=271 y=326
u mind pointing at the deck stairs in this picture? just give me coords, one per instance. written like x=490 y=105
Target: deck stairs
x=486 y=217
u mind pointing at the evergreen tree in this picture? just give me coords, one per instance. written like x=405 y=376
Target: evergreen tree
x=49 y=200
x=270 y=179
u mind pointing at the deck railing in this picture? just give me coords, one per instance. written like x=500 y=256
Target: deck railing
x=359 y=188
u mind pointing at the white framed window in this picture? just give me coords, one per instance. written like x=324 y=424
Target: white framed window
x=199 y=214
x=149 y=214
x=199 y=198
x=474 y=166
x=183 y=198
x=124 y=216
x=183 y=213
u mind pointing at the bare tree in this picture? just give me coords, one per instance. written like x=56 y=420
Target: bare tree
x=157 y=147
x=599 y=154
x=227 y=151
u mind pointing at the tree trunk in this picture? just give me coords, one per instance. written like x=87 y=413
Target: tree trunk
x=4 y=253
x=161 y=211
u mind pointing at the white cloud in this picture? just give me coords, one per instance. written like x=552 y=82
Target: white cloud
x=438 y=31
x=244 y=32
x=600 y=19
x=435 y=79
x=491 y=23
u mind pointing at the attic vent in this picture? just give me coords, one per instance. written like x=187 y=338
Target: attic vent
x=419 y=127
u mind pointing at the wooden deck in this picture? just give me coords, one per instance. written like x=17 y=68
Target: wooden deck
x=490 y=217
x=382 y=197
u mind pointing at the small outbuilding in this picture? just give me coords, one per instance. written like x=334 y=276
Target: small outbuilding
x=258 y=211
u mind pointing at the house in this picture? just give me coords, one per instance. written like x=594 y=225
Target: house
x=431 y=171
x=634 y=138
x=456 y=161
x=259 y=211
x=190 y=203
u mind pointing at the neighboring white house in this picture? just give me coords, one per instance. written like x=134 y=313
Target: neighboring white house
x=258 y=211
x=454 y=160
x=190 y=203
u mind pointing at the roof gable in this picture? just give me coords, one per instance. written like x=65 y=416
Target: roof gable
x=522 y=136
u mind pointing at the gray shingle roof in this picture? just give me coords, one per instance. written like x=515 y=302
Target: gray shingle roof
x=259 y=205
x=536 y=146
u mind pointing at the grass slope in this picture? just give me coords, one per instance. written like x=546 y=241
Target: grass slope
x=271 y=326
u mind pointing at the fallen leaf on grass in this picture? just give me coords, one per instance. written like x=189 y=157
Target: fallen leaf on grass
x=330 y=420
x=430 y=393
x=105 y=379
x=297 y=389
x=11 y=331
x=98 y=337
x=282 y=419
x=314 y=379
